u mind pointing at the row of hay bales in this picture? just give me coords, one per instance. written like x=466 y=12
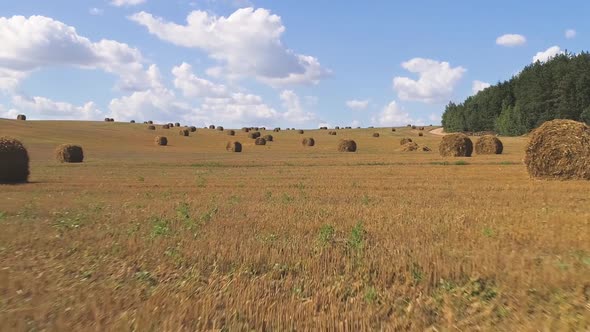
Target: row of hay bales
x=460 y=145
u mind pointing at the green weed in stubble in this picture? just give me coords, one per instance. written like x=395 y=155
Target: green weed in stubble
x=357 y=237
x=2 y=215
x=160 y=227
x=371 y=295
x=326 y=235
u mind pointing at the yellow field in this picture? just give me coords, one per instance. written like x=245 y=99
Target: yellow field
x=284 y=237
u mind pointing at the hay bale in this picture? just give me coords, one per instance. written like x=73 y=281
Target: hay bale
x=421 y=128
x=234 y=147
x=300 y=131
x=151 y=127
x=268 y=138
x=253 y=135
x=161 y=140
x=308 y=141
x=488 y=144
x=177 y=124
x=184 y=132
x=107 y=120
x=405 y=140
x=333 y=133
x=14 y=161
x=348 y=128
x=192 y=129
x=392 y=129
x=132 y=121
x=220 y=128
x=150 y=122
x=211 y=126
x=263 y=128
x=413 y=127
x=255 y=128
x=276 y=130
x=425 y=149
x=246 y=130
x=21 y=117
x=323 y=128
x=231 y=132
x=409 y=125
x=68 y=153
x=456 y=145
x=410 y=146
x=559 y=149
x=347 y=145
x=165 y=126
x=260 y=141
x=375 y=134
x=420 y=134
x=337 y=127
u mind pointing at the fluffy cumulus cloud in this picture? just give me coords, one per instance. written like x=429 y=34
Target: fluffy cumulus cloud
x=546 y=55
x=357 y=105
x=295 y=113
x=511 y=40
x=570 y=33
x=436 y=81
x=41 y=107
x=193 y=86
x=247 y=43
x=37 y=41
x=393 y=115
x=477 y=86
x=126 y=3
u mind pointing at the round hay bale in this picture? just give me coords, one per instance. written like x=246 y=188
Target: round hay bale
x=263 y=128
x=192 y=129
x=260 y=141
x=68 y=153
x=234 y=147
x=14 y=161
x=410 y=146
x=333 y=133
x=107 y=120
x=392 y=129
x=150 y=122
x=132 y=121
x=276 y=130
x=420 y=134
x=347 y=145
x=220 y=128
x=268 y=138
x=184 y=132
x=348 y=127
x=253 y=135
x=255 y=128
x=323 y=128
x=559 y=149
x=165 y=126
x=177 y=124
x=337 y=127
x=231 y=132
x=21 y=117
x=413 y=127
x=151 y=127
x=455 y=145
x=421 y=128
x=405 y=140
x=409 y=125
x=212 y=127
x=425 y=149
x=246 y=129
x=308 y=141
x=488 y=144
x=300 y=131
x=375 y=134
x=161 y=140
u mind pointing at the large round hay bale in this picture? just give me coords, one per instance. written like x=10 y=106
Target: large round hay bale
x=177 y=124
x=151 y=127
x=268 y=138
x=184 y=132
x=405 y=140
x=211 y=126
x=14 y=161
x=192 y=129
x=559 y=149
x=488 y=144
x=231 y=132
x=165 y=126
x=375 y=134
x=455 y=145
x=300 y=131
x=21 y=117
x=276 y=130
x=161 y=140
x=333 y=133
x=260 y=141
x=410 y=146
x=150 y=122
x=347 y=145
x=132 y=121
x=220 y=128
x=234 y=146
x=420 y=134
x=68 y=153
x=308 y=141
x=254 y=134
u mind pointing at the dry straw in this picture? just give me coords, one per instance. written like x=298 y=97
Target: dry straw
x=69 y=153
x=455 y=145
x=559 y=149
x=488 y=144
x=405 y=140
x=14 y=161
x=410 y=146
x=347 y=146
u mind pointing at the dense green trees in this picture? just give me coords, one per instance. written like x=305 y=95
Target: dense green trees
x=556 y=89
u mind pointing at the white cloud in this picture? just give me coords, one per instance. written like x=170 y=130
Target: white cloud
x=294 y=111
x=41 y=107
x=477 y=86
x=95 y=11
x=570 y=33
x=247 y=44
x=127 y=3
x=435 y=118
x=240 y=109
x=36 y=42
x=393 y=115
x=511 y=40
x=546 y=55
x=193 y=86
x=435 y=83
x=357 y=105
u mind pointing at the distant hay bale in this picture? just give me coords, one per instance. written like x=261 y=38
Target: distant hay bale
x=132 y=121
x=420 y=134
x=456 y=145
x=220 y=128
x=145 y=122
x=425 y=149
x=348 y=128
x=246 y=129
x=375 y=134
x=308 y=141
x=276 y=130
x=392 y=129
x=231 y=132
x=107 y=120
x=260 y=141
x=255 y=128
x=337 y=127
x=192 y=129
x=300 y=131
x=268 y=138
x=263 y=128
x=559 y=149
x=347 y=145
x=150 y=122
x=161 y=140
x=371 y=127
x=68 y=153
x=409 y=125
x=488 y=144
x=212 y=127
x=14 y=161
x=177 y=124
x=253 y=134
x=21 y=117
x=413 y=127
x=151 y=127
x=333 y=133
x=183 y=132
x=234 y=147
x=410 y=146
x=165 y=126
x=421 y=128
x=405 y=140
x=323 y=128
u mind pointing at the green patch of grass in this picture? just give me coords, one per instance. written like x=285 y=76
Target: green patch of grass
x=208 y=216
x=208 y=164
x=508 y=163
x=146 y=277
x=2 y=215
x=287 y=199
x=160 y=227
x=140 y=179
x=460 y=163
x=326 y=235
x=417 y=273
x=371 y=295
x=365 y=200
x=488 y=232
x=68 y=220
x=268 y=195
x=357 y=237
x=440 y=163
x=201 y=182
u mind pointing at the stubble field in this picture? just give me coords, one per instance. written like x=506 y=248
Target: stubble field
x=284 y=237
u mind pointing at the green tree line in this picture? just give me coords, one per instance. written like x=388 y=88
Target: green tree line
x=542 y=91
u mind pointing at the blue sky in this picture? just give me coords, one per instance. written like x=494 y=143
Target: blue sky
x=273 y=63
